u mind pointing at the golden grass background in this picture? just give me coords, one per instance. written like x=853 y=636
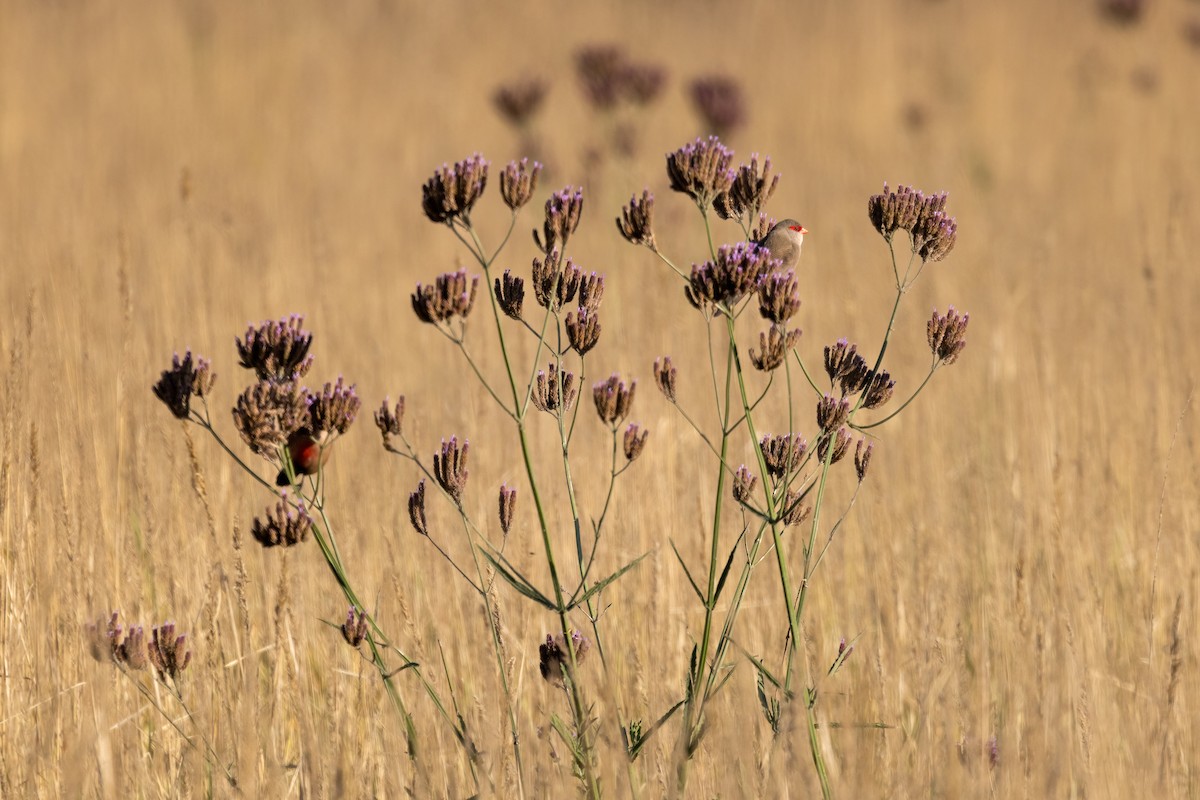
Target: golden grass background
x=169 y=172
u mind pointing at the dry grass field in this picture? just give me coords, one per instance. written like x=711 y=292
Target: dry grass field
x=1020 y=568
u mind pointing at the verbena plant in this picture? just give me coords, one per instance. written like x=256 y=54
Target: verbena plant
x=293 y=427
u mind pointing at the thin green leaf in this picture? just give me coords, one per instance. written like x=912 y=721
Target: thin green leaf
x=686 y=572
x=725 y=572
x=601 y=584
x=519 y=582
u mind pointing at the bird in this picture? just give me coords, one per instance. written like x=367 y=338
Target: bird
x=307 y=456
x=784 y=240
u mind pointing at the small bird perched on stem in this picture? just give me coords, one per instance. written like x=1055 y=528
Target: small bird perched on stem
x=784 y=240
x=307 y=456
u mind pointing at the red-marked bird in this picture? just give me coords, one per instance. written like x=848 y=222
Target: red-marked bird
x=784 y=240
x=307 y=456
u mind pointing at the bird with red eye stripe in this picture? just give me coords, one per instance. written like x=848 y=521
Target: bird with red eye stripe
x=784 y=240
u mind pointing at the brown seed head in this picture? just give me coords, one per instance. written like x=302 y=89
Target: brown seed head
x=583 y=331
x=744 y=482
x=168 y=652
x=719 y=101
x=416 y=509
x=389 y=420
x=268 y=413
x=333 y=410
x=591 y=291
x=600 y=70
x=450 y=467
x=750 y=191
x=641 y=83
x=664 y=376
x=794 y=509
x=555 y=390
x=879 y=390
x=284 y=525
x=510 y=294
x=554 y=659
x=783 y=454
x=841 y=445
x=354 y=629
x=508 y=505
x=111 y=642
x=635 y=441
x=701 y=170
x=563 y=211
x=453 y=191
x=613 y=399
x=450 y=296
x=518 y=182
x=555 y=284
x=185 y=378
x=738 y=271
x=832 y=412
x=779 y=296
x=947 y=335
x=773 y=348
x=518 y=101
x=277 y=350
x=862 y=457
x=636 y=222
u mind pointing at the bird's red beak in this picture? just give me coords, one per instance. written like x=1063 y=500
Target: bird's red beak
x=800 y=229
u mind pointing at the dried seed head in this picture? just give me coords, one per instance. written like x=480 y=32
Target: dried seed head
x=750 y=191
x=510 y=294
x=268 y=413
x=450 y=467
x=518 y=182
x=563 y=211
x=389 y=420
x=779 y=296
x=832 y=412
x=794 y=509
x=840 y=447
x=450 y=296
x=583 y=331
x=641 y=83
x=416 y=509
x=862 y=457
x=935 y=237
x=773 y=348
x=932 y=231
x=554 y=391
x=108 y=643
x=762 y=228
x=591 y=291
x=744 y=482
x=555 y=284
x=738 y=271
x=333 y=410
x=554 y=659
x=783 y=454
x=600 y=70
x=354 y=629
x=453 y=191
x=838 y=358
x=508 y=505
x=518 y=101
x=947 y=335
x=635 y=441
x=168 y=653
x=185 y=378
x=664 y=376
x=277 y=350
x=878 y=390
x=701 y=170
x=719 y=101
x=636 y=222
x=284 y=525
x=613 y=399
